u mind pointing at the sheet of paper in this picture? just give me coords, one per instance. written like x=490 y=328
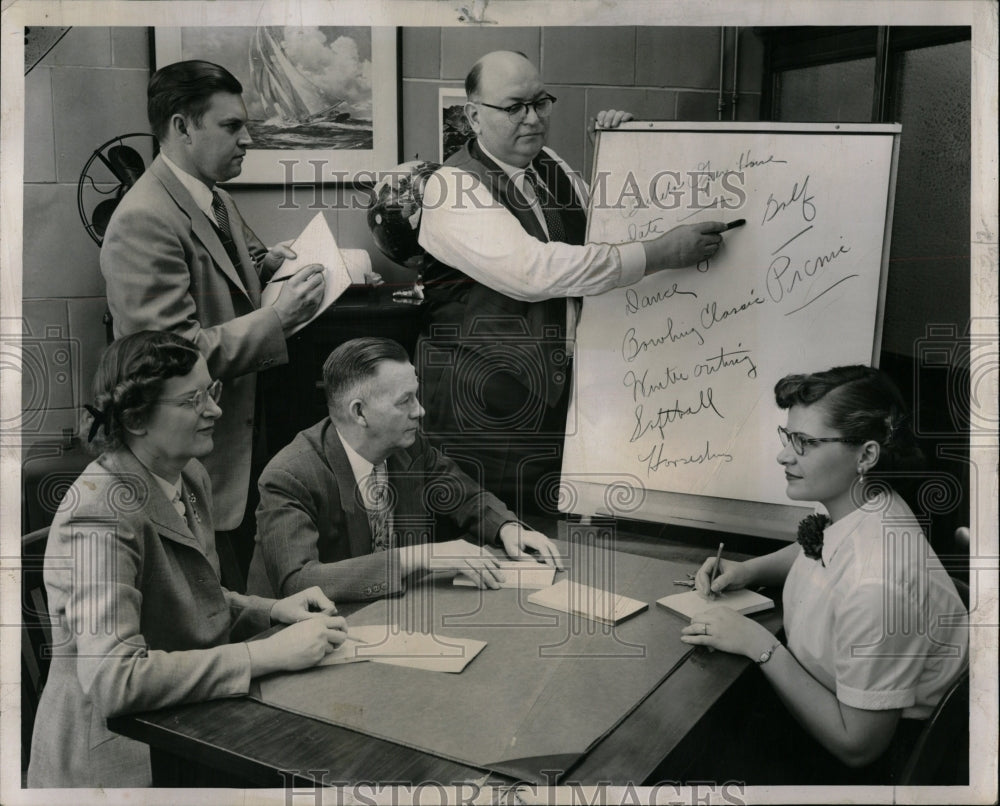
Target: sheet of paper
x=381 y=644
x=592 y=603
x=316 y=244
x=691 y=603
x=359 y=264
x=527 y=575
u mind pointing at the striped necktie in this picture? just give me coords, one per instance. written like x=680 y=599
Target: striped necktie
x=379 y=505
x=225 y=231
x=553 y=219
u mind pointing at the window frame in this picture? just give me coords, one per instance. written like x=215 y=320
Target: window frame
x=795 y=47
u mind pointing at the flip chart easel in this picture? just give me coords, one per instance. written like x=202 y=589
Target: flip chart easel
x=673 y=416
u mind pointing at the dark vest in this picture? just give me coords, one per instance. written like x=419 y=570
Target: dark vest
x=476 y=314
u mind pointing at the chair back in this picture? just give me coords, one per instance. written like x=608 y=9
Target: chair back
x=941 y=753
x=36 y=633
x=940 y=756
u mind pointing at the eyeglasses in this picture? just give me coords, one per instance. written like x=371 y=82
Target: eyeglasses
x=519 y=111
x=802 y=441
x=198 y=400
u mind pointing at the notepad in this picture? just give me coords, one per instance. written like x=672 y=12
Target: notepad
x=413 y=650
x=527 y=575
x=691 y=603
x=316 y=244
x=592 y=603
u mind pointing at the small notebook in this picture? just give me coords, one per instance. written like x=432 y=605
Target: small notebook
x=691 y=603
x=592 y=603
x=528 y=575
x=414 y=650
x=316 y=244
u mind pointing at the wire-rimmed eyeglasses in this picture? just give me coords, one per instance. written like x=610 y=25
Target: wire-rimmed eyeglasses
x=800 y=441
x=198 y=400
x=519 y=111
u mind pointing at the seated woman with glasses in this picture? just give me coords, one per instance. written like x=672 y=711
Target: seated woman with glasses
x=876 y=632
x=139 y=618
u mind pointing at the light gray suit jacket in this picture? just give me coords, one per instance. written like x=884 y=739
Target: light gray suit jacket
x=166 y=269
x=140 y=620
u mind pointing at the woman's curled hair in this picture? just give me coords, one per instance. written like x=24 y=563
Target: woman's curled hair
x=862 y=403
x=129 y=380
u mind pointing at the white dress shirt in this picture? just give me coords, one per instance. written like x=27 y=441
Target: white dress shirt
x=199 y=191
x=463 y=226
x=519 y=176
x=363 y=470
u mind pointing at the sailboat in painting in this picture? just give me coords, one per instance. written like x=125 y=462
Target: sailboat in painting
x=300 y=113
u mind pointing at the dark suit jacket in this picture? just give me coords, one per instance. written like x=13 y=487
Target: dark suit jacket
x=312 y=527
x=166 y=269
x=140 y=621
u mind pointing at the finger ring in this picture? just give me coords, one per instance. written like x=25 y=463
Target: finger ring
x=704 y=629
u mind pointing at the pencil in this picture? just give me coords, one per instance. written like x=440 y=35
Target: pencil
x=739 y=222
x=715 y=570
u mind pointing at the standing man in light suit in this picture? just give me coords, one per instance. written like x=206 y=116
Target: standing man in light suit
x=178 y=256
x=505 y=224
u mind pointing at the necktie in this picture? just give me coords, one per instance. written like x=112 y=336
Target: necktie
x=379 y=506
x=553 y=219
x=557 y=232
x=225 y=231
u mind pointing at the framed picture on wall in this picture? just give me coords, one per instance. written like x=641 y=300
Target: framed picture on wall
x=321 y=100
x=453 y=127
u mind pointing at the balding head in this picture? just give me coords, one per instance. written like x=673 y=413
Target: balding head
x=503 y=78
x=500 y=61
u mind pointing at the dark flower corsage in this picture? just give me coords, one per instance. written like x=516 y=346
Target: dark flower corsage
x=811 y=536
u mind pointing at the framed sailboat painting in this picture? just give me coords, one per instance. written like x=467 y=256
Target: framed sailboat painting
x=321 y=100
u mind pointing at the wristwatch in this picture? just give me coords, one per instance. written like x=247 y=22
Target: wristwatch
x=765 y=656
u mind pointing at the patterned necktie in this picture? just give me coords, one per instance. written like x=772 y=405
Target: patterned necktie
x=553 y=219
x=379 y=508
x=225 y=231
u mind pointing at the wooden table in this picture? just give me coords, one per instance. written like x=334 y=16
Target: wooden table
x=248 y=743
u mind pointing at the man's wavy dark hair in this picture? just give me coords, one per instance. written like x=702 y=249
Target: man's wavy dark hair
x=186 y=88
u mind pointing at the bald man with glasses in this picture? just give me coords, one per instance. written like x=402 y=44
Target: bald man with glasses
x=504 y=226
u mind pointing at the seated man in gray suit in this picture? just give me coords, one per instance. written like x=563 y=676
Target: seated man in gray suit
x=349 y=505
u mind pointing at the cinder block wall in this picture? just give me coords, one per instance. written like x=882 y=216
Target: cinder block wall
x=655 y=72
x=89 y=88
x=92 y=86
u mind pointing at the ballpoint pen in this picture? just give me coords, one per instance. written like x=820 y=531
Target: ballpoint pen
x=715 y=571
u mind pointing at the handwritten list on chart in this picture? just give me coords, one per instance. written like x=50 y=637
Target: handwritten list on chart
x=675 y=375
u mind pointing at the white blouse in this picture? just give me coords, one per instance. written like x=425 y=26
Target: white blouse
x=878 y=621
